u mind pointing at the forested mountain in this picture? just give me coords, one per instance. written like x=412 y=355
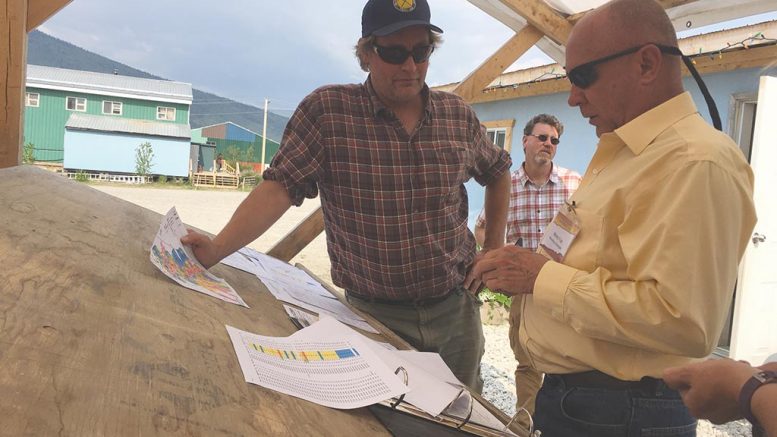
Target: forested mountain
x=206 y=109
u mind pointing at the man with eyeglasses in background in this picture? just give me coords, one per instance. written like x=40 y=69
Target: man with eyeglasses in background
x=390 y=158
x=539 y=188
x=645 y=254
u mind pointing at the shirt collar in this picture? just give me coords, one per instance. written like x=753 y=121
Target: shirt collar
x=641 y=131
x=378 y=107
x=524 y=178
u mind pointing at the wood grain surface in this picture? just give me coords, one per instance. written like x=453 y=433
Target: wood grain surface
x=94 y=340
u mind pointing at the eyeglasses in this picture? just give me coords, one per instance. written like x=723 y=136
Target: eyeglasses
x=585 y=75
x=397 y=55
x=543 y=138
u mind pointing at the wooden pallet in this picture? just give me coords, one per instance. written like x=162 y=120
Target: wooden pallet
x=215 y=180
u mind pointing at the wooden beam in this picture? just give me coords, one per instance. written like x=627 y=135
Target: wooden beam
x=543 y=17
x=13 y=65
x=666 y=4
x=39 y=11
x=489 y=70
x=706 y=64
x=299 y=237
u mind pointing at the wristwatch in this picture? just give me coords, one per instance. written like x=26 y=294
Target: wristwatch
x=746 y=394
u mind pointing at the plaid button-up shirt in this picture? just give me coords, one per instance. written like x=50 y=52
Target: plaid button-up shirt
x=395 y=205
x=532 y=207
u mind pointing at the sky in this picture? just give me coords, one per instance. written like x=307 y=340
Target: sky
x=249 y=50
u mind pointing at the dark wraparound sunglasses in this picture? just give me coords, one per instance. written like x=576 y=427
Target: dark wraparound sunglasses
x=543 y=138
x=397 y=55
x=585 y=75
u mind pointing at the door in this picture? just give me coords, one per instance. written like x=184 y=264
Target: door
x=754 y=333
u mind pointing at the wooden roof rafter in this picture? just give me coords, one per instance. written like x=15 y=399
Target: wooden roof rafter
x=555 y=26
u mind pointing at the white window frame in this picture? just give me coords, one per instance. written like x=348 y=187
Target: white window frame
x=506 y=126
x=32 y=102
x=114 y=107
x=79 y=105
x=164 y=113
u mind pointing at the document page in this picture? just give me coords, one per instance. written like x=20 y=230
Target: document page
x=337 y=371
x=178 y=263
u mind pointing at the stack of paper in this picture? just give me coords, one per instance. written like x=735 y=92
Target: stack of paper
x=293 y=285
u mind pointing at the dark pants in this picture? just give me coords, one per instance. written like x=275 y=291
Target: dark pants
x=565 y=411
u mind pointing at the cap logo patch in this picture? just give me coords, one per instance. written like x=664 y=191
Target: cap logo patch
x=404 y=5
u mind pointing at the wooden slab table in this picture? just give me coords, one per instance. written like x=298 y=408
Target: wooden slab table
x=94 y=340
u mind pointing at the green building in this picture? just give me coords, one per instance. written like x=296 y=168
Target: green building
x=95 y=121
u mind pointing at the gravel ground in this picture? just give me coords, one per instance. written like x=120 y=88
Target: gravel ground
x=499 y=364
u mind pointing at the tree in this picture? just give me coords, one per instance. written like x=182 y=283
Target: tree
x=144 y=157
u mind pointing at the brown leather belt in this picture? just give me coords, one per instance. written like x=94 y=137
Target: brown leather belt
x=596 y=379
x=420 y=302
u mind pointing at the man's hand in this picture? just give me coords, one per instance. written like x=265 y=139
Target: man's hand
x=509 y=270
x=710 y=389
x=472 y=282
x=203 y=247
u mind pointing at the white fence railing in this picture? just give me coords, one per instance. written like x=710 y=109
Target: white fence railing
x=107 y=177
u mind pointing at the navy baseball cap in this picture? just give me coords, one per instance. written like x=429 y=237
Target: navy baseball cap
x=384 y=17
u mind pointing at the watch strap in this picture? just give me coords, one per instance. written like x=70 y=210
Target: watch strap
x=746 y=394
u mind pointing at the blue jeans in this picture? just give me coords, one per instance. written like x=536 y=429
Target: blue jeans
x=563 y=411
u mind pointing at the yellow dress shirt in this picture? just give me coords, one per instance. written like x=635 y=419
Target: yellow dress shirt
x=666 y=210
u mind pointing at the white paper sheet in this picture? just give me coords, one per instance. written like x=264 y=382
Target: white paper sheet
x=427 y=391
x=303 y=317
x=178 y=262
x=295 y=286
x=332 y=368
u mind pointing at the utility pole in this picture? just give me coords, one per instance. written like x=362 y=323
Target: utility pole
x=264 y=131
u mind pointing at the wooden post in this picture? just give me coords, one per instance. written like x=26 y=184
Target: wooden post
x=13 y=70
x=299 y=237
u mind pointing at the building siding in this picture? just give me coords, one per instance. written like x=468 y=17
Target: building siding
x=115 y=152
x=44 y=126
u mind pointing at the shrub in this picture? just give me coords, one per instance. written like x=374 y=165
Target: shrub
x=162 y=179
x=144 y=157
x=81 y=176
x=28 y=153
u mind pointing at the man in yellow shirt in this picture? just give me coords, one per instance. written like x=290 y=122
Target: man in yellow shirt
x=646 y=263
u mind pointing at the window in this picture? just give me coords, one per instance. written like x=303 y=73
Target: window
x=76 y=104
x=497 y=136
x=113 y=108
x=32 y=99
x=165 y=113
x=500 y=132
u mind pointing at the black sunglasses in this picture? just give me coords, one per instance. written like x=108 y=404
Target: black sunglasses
x=543 y=138
x=397 y=55
x=585 y=75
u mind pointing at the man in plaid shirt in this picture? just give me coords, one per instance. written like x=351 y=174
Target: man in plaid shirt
x=390 y=158
x=538 y=189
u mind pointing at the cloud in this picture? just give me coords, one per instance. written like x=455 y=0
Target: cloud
x=248 y=50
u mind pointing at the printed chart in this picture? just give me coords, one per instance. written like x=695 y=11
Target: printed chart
x=178 y=263
x=342 y=373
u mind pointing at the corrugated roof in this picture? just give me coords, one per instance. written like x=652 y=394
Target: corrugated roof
x=105 y=123
x=109 y=84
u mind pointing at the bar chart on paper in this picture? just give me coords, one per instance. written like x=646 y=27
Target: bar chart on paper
x=339 y=374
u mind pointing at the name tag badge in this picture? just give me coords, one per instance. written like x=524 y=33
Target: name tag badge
x=560 y=233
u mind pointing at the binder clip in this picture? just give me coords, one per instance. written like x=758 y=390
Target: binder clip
x=532 y=432
x=405 y=379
